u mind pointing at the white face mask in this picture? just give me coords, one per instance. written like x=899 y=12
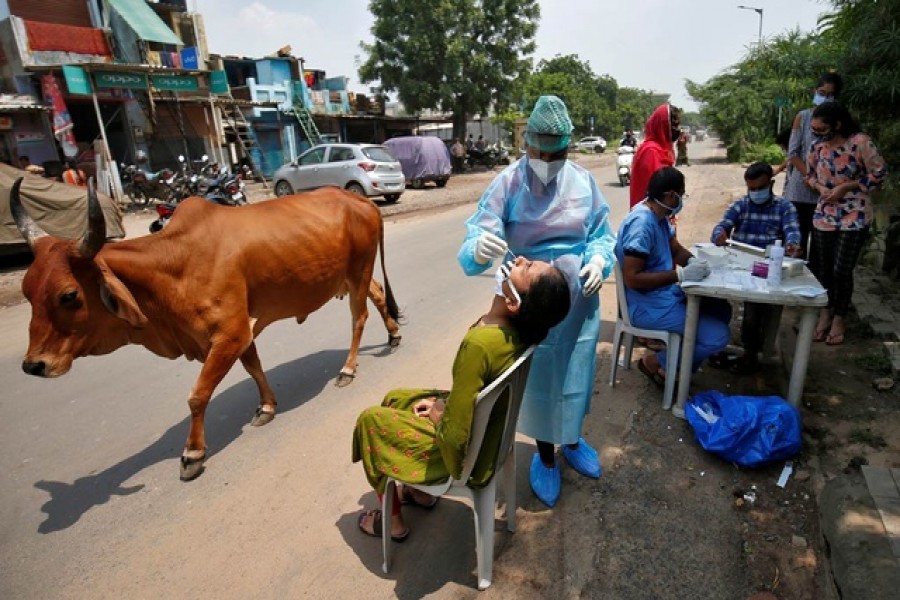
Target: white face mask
x=502 y=275
x=545 y=171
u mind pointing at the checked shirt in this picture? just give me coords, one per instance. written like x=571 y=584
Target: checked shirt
x=760 y=224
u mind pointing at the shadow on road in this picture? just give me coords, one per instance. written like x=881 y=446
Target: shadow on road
x=299 y=381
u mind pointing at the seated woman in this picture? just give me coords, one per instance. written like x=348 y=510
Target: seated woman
x=654 y=264
x=421 y=435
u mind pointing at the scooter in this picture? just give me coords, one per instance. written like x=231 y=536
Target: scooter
x=226 y=190
x=625 y=154
x=141 y=186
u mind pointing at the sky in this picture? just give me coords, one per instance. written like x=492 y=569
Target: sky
x=649 y=44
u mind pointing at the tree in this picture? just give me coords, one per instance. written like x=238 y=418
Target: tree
x=462 y=56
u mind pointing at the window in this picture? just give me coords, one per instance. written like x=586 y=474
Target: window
x=379 y=154
x=313 y=157
x=339 y=154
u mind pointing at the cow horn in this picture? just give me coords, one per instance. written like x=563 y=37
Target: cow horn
x=95 y=236
x=30 y=230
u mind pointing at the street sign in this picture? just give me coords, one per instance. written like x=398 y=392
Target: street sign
x=175 y=83
x=76 y=80
x=218 y=82
x=782 y=102
x=119 y=79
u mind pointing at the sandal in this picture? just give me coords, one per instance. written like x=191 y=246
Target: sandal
x=656 y=377
x=409 y=497
x=822 y=332
x=654 y=345
x=834 y=339
x=376 y=525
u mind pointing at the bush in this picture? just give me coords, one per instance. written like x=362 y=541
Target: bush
x=767 y=153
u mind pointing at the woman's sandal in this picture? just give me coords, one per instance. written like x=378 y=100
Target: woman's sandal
x=407 y=496
x=656 y=377
x=822 y=333
x=376 y=525
x=834 y=339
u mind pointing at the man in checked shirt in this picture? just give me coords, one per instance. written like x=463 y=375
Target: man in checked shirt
x=758 y=218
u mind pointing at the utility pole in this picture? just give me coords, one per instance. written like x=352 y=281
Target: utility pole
x=758 y=11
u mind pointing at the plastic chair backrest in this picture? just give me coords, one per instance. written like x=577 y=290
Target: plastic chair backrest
x=620 y=295
x=511 y=381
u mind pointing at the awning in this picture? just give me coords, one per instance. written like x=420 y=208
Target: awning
x=144 y=22
x=66 y=38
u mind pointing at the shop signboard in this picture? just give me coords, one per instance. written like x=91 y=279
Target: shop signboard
x=120 y=79
x=218 y=82
x=175 y=83
x=189 y=58
x=76 y=80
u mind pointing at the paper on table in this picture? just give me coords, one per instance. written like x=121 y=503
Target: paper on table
x=807 y=291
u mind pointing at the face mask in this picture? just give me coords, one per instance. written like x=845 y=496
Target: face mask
x=502 y=275
x=759 y=196
x=545 y=171
x=820 y=99
x=673 y=210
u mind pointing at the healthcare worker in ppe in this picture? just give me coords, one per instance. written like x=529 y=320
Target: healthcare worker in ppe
x=545 y=207
x=647 y=250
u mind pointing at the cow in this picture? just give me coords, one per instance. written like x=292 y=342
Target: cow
x=204 y=288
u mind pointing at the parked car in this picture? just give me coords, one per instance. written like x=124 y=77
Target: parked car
x=365 y=169
x=700 y=134
x=57 y=208
x=423 y=158
x=593 y=143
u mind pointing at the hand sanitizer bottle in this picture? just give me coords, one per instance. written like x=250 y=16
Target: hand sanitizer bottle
x=776 y=260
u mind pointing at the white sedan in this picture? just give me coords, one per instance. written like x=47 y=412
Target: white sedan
x=593 y=143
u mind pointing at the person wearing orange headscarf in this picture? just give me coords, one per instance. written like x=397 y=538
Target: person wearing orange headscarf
x=655 y=152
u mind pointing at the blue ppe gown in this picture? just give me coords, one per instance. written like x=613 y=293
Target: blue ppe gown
x=565 y=223
x=644 y=234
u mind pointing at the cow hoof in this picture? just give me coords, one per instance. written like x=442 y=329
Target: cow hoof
x=261 y=417
x=191 y=468
x=344 y=379
x=394 y=340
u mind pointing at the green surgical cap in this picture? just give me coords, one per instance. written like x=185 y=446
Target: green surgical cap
x=549 y=127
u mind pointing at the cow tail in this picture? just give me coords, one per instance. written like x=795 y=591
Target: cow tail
x=392 y=307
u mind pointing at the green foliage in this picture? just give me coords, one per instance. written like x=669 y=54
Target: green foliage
x=587 y=95
x=458 y=55
x=767 y=153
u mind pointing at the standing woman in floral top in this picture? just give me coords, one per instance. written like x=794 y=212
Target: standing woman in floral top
x=844 y=168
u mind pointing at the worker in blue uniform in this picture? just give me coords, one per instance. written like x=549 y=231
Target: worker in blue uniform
x=545 y=207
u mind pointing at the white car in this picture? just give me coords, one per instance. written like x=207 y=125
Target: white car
x=364 y=169
x=593 y=143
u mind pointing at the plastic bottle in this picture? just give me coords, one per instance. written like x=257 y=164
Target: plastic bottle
x=776 y=260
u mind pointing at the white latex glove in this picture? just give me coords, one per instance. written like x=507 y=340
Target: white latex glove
x=593 y=274
x=489 y=247
x=695 y=270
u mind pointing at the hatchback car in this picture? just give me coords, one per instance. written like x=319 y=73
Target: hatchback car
x=593 y=143
x=364 y=169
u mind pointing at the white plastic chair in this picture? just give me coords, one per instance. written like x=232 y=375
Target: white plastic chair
x=483 y=499
x=625 y=329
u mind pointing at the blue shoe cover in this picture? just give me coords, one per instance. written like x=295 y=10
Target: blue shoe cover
x=583 y=459
x=545 y=483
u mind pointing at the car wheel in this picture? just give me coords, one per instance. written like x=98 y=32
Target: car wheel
x=598 y=149
x=283 y=188
x=417 y=184
x=356 y=189
x=391 y=198
x=441 y=182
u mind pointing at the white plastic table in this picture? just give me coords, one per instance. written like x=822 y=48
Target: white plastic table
x=734 y=282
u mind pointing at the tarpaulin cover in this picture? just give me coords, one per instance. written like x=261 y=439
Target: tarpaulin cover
x=420 y=157
x=66 y=38
x=59 y=209
x=145 y=22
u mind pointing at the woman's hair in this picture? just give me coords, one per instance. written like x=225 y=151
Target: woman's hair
x=544 y=305
x=666 y=179
x=832 y=113
x=834 y=79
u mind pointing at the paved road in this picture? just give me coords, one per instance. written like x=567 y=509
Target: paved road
x=91 y=502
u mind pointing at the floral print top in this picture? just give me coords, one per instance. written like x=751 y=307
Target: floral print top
x=856 y=159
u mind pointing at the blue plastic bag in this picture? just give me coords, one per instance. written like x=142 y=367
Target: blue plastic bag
x=747 y=430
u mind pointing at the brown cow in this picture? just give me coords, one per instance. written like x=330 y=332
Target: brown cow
x=204 y=287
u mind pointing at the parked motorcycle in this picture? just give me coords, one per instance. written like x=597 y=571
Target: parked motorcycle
x=142 y=186
x=225 y=189
x=486 y=158
x=625 y=154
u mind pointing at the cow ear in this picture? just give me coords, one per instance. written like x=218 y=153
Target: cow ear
x=118 y=299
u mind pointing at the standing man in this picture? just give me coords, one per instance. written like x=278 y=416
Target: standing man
x=662 y=129
x=545 y=207
x=681 y=145
x=458 y=154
